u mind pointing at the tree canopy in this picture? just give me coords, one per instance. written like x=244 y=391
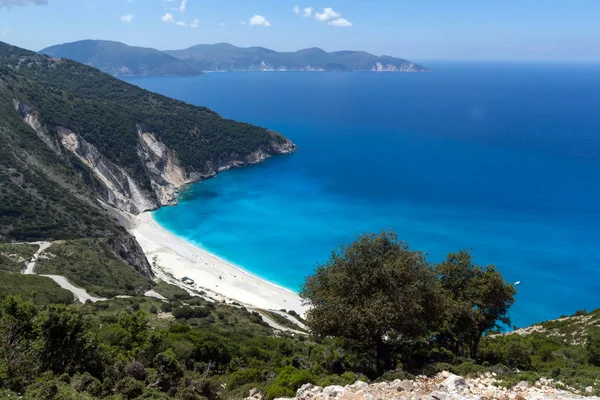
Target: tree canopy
x=379 y=294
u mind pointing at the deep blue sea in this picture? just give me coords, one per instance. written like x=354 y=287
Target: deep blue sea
x=502 y=159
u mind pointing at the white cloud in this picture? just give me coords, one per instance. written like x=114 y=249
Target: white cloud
x=307 y=11
x=183 y=5
x=5 y=32
x=221 y=24
x=9 y=3
x=168 y=17
x=340 y=22
x=327 y=14
x=296 y=9
x=243 y=22
x=259 y=20
x=127 y=18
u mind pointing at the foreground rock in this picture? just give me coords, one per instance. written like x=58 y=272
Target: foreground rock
x=444 y=386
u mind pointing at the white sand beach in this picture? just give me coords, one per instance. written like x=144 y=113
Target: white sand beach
x=218 y=278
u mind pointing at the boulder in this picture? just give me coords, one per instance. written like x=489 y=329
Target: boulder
x=334 y=391
x=308 y=391
x=454 y=383
x=523 y=385
x=402 y=386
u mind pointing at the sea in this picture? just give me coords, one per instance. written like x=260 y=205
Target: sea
x=502 y=159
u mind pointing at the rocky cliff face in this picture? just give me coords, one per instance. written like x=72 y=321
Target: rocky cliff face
x=410 y=67
x=444 y=386
x=128 y=249
x=163 y=169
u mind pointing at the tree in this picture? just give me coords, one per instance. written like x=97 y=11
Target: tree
x=376 y=292
x=65 y=342
x=593 y=346
x=477 y=300
x=16 y=334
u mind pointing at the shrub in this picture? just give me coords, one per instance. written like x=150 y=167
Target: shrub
x=593 y=347
x=293 y=378
x=244 y=376
x=276 y=391
x=136 y=370
x=468 y=368
x=86 y=383
x=187 y=312
x=130 y=388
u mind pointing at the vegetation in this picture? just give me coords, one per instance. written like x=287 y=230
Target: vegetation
x=91 y=264
x=39 y=289
x=14 y=257
x=224 y=56
x=388 y=301
x=46 y=194
x=190 y=348
x=119 y=59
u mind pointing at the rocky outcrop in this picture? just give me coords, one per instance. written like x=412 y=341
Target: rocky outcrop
x=30 y=116
x=121 y=190
x=409 y=67
x=166 y=174
x=163 y=169
x=444 y=386
x=127 y=248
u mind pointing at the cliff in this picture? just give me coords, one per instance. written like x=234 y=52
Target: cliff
x=106 y=142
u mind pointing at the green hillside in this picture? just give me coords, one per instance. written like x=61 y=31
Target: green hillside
x=226 y=57
x=47 y=192
x=120 y=59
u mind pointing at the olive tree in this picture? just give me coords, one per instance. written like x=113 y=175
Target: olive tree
x=376 y=292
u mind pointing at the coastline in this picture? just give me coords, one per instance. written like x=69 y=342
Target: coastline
x=218 y=278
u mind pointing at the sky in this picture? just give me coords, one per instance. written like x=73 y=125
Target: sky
x=544 y=30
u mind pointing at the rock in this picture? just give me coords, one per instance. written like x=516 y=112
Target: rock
x=454 y=383
x=308 y=391
x=437 y=396
x=358 y=386
x=589 y=390
x=445 y=374
x=402 y=386
x=523 y=385
x=334 y=391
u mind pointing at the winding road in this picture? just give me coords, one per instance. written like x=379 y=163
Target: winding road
x=83 y=296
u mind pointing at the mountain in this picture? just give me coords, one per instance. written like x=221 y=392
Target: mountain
x=78 y=143
x=120 y=59
x=226 y=57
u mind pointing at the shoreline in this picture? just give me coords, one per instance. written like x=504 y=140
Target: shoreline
x=217 y=277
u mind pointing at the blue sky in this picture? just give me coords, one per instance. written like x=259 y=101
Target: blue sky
x=416 y=29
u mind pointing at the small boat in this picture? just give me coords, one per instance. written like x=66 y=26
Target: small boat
x=517 y=283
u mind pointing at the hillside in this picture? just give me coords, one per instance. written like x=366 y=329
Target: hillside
x=226 y=57
x=72 y=134
x=120 y=59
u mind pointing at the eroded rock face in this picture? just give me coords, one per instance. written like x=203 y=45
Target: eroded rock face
x=444 y=386
x=128 y=249
x=164 y=173
x=121 y=190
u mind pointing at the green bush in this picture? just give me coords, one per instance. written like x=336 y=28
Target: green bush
x=187 y=312
x=244 y=376
x=130 y=388
x=468 y=368
x=593 y=347
x=276 y=391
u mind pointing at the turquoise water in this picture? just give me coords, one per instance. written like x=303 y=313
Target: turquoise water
x=503 y=159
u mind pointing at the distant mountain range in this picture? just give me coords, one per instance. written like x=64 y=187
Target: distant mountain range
x=120 y=59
